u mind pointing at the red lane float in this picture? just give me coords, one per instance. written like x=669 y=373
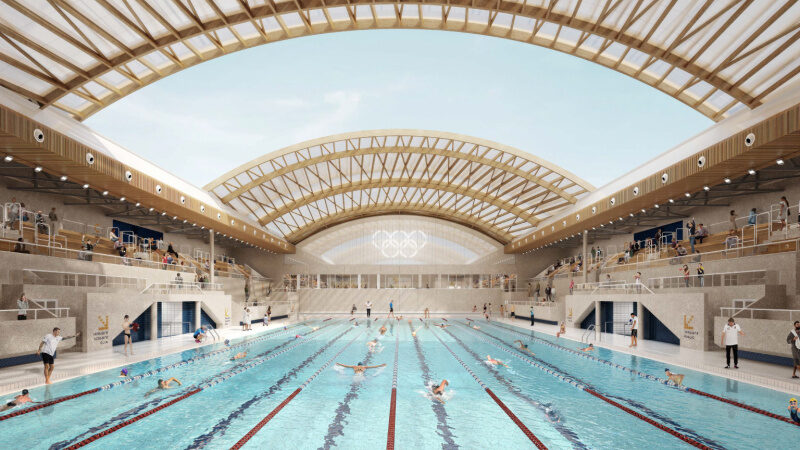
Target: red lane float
x=46 y=404
x=743 y=406
x=120 y=425
x=392 y=411
x=266 y=419
x=516 y=420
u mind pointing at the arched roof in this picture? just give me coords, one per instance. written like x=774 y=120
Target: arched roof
x=715 y=56
x=302 y=189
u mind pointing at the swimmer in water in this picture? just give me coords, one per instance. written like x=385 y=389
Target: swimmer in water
x=588 y=349
x=239 y=355
x=314 y=328
x=676 y=378
x=360 y=367
x=18 y=400
x=123 y=373
x=792 y=409
x=372 y=345
x=441 y=325
x=414 y=333
x=476 y=327
x=495 y=362
x=382 y=330
x=438 y=390
x=524 y=347
x=163 y=385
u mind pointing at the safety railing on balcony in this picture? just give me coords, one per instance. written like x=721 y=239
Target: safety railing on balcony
x=741 y=278
x=76 y=279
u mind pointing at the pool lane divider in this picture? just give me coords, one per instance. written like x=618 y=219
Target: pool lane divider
x=499 y=402
x=585 y=388
x=654 y=378
x=291 y=396
x=200 y=388
x=145 y=374
x=393 y=401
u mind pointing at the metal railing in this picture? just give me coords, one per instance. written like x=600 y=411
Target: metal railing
x=741 y=278
x=788 y=315
x=77 y=279
x=588 y=334
x=613 y=285
x=54 y=312
x=175 y=286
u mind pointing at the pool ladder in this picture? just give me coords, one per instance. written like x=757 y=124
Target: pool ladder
x=588 y=334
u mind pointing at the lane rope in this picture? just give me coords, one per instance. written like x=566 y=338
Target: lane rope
x=393 y=402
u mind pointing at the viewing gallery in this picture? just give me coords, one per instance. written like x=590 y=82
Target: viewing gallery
x=399 y=287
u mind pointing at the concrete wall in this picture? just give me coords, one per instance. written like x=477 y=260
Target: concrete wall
x=760 y=335
x=23 y=337
x=406 y=301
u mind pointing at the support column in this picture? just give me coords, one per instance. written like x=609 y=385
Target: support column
x=154 y=321
x=585 y=263
x=211 y=263
x=597 y=320
x=197 y=309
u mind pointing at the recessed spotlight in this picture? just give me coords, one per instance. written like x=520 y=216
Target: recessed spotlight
x=727 y=180
x=8 y=158
x=194 y=224
x=184 y=220
x=163 y=213
x=706 y=188
x=38 y=169
x=656 y=206
x=138 y=204
x=602 y=224
x=86 y=186
x=174 y=217
x=751 y=172
x=631 y=214
x=105 y=192
x=122 y=199
x=151 y=209
x=687 y=194
x=643 y=210
x=203 y=228
x=63 y=178
x=671 y=201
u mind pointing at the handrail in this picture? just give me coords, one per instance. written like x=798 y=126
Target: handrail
x=174 y=286
x=587 y=334
x=705 y=280
x=36 y=310
x=74 y=278
x=737 y=311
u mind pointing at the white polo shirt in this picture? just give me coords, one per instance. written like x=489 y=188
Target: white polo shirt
x=50 y=344
x=731 y=334
x=635 y=323
x=369 y=305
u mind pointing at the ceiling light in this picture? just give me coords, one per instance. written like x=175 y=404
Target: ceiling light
x=105 y=192
x=706 y=188
x=38 y=169
x=779 y=162
x=163 y=213
x=151 y=209
x=86 y=186
x=9 y=158
x=63 y=178
x=184 y=220
x=656 y=206
x=751 y=172
x=631 y=214
x=687 y=194
x=727 y=180
x=671 y=201
x=643 y=210
x=138 y=204
x=174 y=217
x=122 y=199
x=203 y=228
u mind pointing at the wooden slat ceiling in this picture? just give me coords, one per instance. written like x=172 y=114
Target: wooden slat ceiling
x=716 y=56
x=61 y=156
x=756 y=147
x=302 y=189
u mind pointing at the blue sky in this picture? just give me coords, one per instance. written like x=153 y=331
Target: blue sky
x=211 y=118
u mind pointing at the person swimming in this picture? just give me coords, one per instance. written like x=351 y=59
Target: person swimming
x=123 y=373
x=438 y=390
x=360 y=367
x=476 y=327
x=382 y=330
x=372 y=345
x=239 y=355
x=414 y=332
x=163 y=385
x=676 y=378
x=441 y=325
x=588 y=349
x=524 y=347
x=18 y=400
x=792 y=409
x=495 y=362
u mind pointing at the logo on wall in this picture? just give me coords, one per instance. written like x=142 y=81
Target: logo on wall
x=687 y=322
x=103 y=323
x=399 y=244
x=689 y=332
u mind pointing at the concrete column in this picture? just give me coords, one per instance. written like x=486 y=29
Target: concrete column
x=197 y=309
x=585 y=263
x=359 y=281
x=211 y=263
x=154 y=321
x=597 y=326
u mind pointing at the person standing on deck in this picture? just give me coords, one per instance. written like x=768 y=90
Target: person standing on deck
x=730 y=339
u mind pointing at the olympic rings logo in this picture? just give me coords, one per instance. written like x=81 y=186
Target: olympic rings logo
x=393 y=244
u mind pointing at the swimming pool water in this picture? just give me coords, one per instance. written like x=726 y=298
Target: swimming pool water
x=340 y=409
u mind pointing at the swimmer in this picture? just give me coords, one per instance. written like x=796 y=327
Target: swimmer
x=123 y=373
x=163 y=385
x=524 y=348
x=239 y=355
x=438 y=390
x=562 y=330
x=495 y=362
x=476 y=327
x=360 y=367
x=676 y=378
x=588 y=349
x=441 y=325
x=372 y=345
x=792 y=409
x=227 y=342
x=18 y=400
x=414 y=332
x=383 y=330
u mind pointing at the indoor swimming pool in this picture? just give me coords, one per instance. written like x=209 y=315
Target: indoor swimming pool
x=289 y=393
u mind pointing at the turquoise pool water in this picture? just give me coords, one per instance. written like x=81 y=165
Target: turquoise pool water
x=340 y=409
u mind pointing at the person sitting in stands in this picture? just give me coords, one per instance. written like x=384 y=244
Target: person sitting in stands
x=751 y=218
x=24 y=213
x=702 y=233
x=680 y=250
x=732 y=240
x=13 y=212
x=169 y=259
x=112 y=236
x=87 y=247
x=19 y=247
x=41 y=226
x=171 y=250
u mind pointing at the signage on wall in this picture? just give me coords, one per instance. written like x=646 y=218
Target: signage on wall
x=101 y=335
x=227 y=318
x=569 y=316
x=688 y=329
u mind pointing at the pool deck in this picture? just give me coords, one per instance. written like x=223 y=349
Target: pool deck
x=75 y=364
x=771 y=376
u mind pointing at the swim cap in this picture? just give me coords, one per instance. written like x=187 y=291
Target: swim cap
x=791 y=399
x=666 y=370
x=124 y=372
x=227 y=342
x=24 y=392
x=360 y=363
